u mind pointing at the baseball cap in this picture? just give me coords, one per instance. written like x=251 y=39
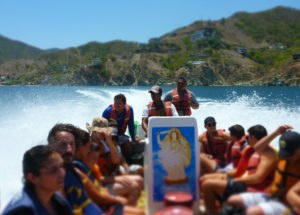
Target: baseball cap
x=155 y=89
x=288 y=143
x=209 y=119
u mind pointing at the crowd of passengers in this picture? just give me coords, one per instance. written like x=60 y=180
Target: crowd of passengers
x=92 y=172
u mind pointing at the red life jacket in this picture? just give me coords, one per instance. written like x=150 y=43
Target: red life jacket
x=252 y=166
x=167 y=109
x=217 y=147
x=234 y=151
x=182 y=105
x=113 y=116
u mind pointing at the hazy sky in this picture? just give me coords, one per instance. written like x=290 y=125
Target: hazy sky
x=70 y=23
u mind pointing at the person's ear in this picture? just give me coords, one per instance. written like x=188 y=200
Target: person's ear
x=32 y=178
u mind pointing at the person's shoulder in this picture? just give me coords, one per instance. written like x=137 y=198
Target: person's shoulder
x=21 y=203
x=62 y=201
x=226 y=134
x=270 y=152
x=107 y=109
x=170 y=92
x=202 y=136
x=130 y=107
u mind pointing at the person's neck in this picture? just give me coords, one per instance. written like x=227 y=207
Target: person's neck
x=181 y=91
x=211 y=134
x=120 y=111
x=45 y=198
x=79 y=156
x=160 y=102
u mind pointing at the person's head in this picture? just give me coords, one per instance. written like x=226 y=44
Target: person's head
x=289 y=144
x=93 y=155
x=83 y=144
x=174 y=134
x=156 y=93
x=119 y=102
x=43 y=168
x=98 y=128
x=236 y=132
x=181 y=84
x=210 y=123
x=63 y=138
x=256 y=132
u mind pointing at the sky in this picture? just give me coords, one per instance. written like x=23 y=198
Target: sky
x=70 y=23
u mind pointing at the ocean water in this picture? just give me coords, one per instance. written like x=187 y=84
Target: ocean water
x=27 y=113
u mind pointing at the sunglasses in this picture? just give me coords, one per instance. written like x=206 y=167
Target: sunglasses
x=213 y=124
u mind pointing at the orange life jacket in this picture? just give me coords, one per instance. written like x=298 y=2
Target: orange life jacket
x=182 y=105
x=167 y=109
x=252 y=167
x=107 y=167
x=113 y=116
x=97 y=172
x=217 y=147
x=234 y=151
x=287 y=174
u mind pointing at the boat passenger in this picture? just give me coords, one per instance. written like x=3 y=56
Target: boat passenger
x=157 y=107
x=43 y=175
x=259 y=164
x=63 y=138
x=182 y=98
x=293 y=199
x=122 y=115
x=233 y=152
x=286 y=176
x=111 y=159
x=213 y=146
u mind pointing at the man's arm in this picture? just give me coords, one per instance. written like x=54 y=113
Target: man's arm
x=114 y=154
x=263 y=143
x=106 y=112
x=168 y=96
x=97 y=197
x=293 y=197
x=174 y=111
x=227 y=138
x=113 y=151
x=131 y=125
x=145 y=115
x=202 y=149
x=194 y=102
x=267 y=164
x=145 y=124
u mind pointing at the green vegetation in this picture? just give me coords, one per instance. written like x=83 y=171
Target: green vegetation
x=269 y=39
x=276 y=26
x=12 y=50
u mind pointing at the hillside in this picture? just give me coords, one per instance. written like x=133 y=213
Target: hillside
x=245 y=49
x=12 y=50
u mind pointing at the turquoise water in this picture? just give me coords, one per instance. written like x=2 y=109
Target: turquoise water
x=28 y=113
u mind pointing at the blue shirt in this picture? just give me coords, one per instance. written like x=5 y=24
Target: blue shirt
x=120 y=120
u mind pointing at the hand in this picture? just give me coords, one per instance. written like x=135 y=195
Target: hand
x=208 y=156
x=122 y=200
x=283 y=128
x=137 y=140
x=125 y=181
x=296 y=208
